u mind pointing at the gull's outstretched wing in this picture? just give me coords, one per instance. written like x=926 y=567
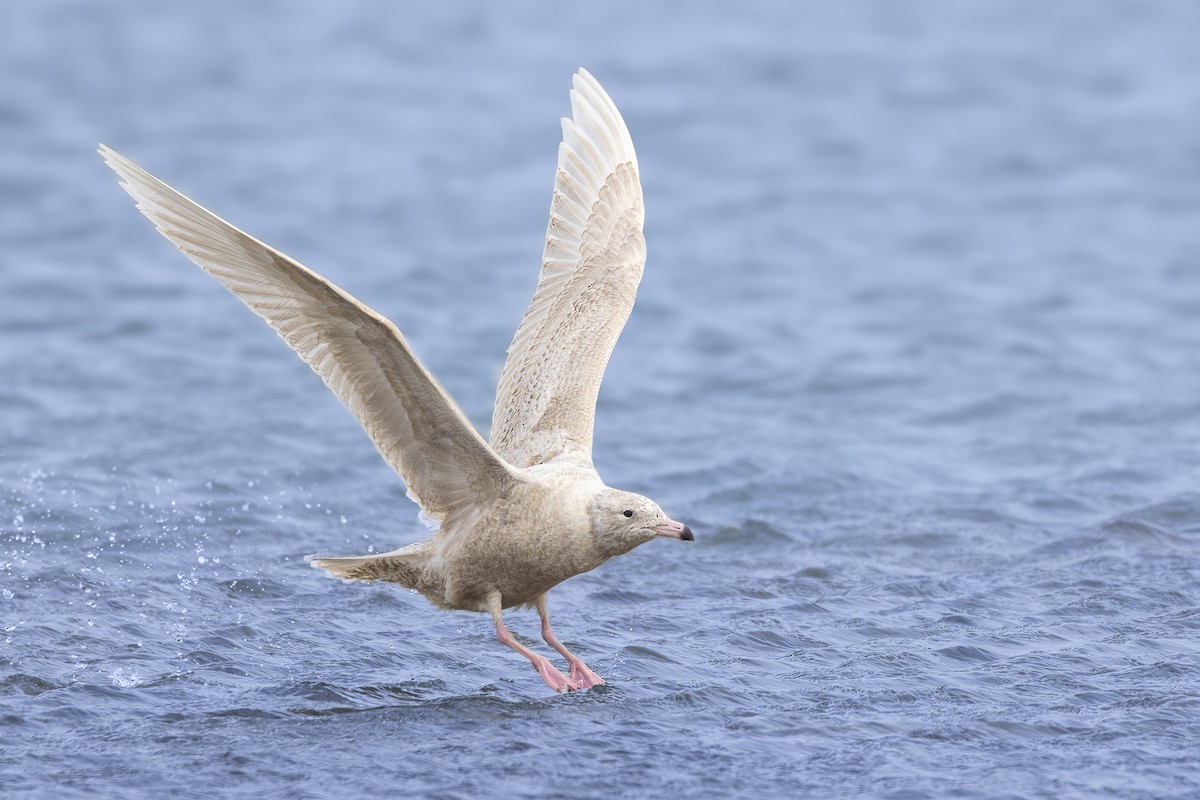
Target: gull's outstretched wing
x=591 y=267
x=359 y=354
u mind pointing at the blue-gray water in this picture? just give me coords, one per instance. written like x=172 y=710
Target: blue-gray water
x=917 y=355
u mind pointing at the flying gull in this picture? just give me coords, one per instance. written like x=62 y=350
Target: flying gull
x=516 y=516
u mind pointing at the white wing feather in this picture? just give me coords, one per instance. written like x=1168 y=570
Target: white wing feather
x=591 y=267
x=360 y=355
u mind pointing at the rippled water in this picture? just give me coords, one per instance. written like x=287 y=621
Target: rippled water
x=917 y=355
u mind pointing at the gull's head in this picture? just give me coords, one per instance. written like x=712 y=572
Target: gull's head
x=623 y=520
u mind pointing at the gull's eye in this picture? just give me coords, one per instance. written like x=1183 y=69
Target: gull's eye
x=627 y=513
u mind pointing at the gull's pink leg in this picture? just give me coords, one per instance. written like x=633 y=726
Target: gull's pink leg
x=553 y=678
x=581 y=676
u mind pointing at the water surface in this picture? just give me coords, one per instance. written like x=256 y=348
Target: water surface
x=917 y=355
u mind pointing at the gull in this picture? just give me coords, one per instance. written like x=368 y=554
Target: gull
x=517 y=516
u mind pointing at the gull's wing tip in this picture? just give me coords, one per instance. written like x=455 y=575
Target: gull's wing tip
x=593 y=109
x=583 y=76
x=109 y=155
x=582 y=80
x=127 y=171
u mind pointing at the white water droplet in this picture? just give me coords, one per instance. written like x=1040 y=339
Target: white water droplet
x=125 y=679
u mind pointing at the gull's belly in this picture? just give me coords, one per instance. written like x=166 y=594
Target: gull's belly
x=522 y=564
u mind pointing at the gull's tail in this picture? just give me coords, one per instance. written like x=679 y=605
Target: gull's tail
x=406 y=566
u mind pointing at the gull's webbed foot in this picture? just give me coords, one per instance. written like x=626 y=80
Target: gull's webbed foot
x=582 y=677
x=555 y=679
